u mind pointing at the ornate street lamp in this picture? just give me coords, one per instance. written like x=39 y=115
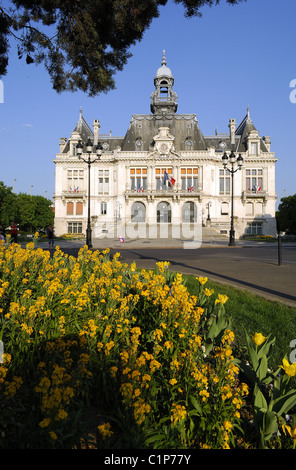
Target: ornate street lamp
x=239 y=160
x=89 y=161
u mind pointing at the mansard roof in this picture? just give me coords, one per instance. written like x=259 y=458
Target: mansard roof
x=144 y=127
x=243 y=130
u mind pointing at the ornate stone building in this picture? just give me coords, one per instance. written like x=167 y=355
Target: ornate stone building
x=164 y=176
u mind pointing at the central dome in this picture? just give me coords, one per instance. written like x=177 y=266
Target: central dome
x=164 y=71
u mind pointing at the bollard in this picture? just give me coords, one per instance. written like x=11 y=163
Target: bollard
x=279 y=249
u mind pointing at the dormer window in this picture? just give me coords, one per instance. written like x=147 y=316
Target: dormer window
x=188 y=143
x=139 y=143
x=254 y=148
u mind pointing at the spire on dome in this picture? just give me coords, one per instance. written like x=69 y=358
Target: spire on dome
x=163 y=99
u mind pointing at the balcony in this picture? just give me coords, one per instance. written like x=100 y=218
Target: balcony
x=169 y=192
x=73 y=194
x=252 y=194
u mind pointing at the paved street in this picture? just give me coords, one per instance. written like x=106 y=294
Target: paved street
x=249 y=265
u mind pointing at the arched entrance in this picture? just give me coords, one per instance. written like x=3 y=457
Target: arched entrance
x=138 y=212
x=189 y=212
x=164 y=213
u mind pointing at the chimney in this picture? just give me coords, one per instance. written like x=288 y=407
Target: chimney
x=63 y=142
x=96 y=126
x=232 y=126
x=267 y=141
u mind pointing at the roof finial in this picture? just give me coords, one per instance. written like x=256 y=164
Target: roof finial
x=248 y=114
x=163 y=62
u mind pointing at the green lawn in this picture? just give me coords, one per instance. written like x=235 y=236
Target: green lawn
x=250 y=313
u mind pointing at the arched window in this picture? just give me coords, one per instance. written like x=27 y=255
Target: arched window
x=164 y=213
x=138 y=213
x=189 y=213
x=164 y=89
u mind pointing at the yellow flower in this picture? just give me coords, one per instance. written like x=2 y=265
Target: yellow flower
x=208 y=292
x=258 y=338
x=291 y=431
x=290 y=369
x=202 y=280
x=44 y=423
x=222 y=298
x=227 y=425
x=173 y=381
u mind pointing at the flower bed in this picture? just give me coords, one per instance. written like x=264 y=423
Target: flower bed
x=155 y=362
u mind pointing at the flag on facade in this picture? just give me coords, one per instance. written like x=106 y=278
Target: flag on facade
x=190 y=189
x=168 y=178
x=121 y=239
x=256 y=189
x=75 y=190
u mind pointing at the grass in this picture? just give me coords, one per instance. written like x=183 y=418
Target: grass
x=250 y=313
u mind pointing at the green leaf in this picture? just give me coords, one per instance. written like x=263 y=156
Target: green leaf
x=270 y=424
x=196 y=404
x=285 y=403
x=260 y=403
x=262 y=369
x=252 y=353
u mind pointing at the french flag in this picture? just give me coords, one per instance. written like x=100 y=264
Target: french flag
x=168 y=178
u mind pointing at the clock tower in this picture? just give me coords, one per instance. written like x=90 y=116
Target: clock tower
x=163 y=99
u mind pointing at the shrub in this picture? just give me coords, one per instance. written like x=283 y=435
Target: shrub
x=155 y=362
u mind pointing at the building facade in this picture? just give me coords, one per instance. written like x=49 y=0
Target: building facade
x=164 y=177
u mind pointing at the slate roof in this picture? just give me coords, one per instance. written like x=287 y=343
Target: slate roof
x=243 y=130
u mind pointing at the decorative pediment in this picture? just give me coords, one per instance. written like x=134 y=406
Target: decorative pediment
x=164 y=141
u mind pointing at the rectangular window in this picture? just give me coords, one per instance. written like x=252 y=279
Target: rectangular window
x=79 y=208
x=74 y=227
x=138 y=179
x=75 y=181
x=254 y=180
x=224 y=182
x=103 y=181
x=224 y=208
x=254 y=148
x=70 y=208
x=254 y=228
x=103 y=208
x=189 y=179
x=163 y=184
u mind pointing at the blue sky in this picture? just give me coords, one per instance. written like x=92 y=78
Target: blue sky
x=232 y=57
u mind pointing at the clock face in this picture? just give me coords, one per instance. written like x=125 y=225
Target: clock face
x=163 y=147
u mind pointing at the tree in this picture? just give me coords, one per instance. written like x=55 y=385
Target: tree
x=29 y=212
x=8 y=205
x=34 y=212
x=286 y=215
x=82 y=43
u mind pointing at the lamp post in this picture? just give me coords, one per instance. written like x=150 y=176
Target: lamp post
x=89 y=161
x=239 y=160
x=208 y=207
